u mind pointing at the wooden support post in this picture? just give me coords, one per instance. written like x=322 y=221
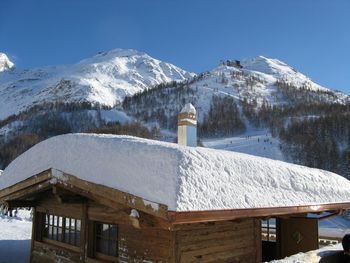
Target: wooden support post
x=84 y=230
x=258 y=241
x=34 y=225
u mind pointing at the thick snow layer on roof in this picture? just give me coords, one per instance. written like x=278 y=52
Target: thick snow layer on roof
x=183 y=178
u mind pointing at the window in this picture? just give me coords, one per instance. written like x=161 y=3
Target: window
x=107 y=239
x=268 y=230
x=62 y=229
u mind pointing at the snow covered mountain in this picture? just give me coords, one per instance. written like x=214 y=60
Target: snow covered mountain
x=105 y=78
x=5 y=63
x=276 y=112
x=255 y=100
x=256 y=81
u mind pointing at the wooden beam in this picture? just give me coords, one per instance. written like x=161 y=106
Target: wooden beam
x=20 y=203
x=64 y=196
x=121 y=215
x=36 y=179
x=110 y=197
x=27 y=192
x=219 y=215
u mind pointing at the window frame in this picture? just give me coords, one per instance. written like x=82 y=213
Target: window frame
x=269 y=229
x=53 y=224
x=115 y=240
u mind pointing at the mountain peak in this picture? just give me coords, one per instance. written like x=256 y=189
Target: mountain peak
x=117 y=53
x=5 y=63
x=266 y=65
x=120 y=52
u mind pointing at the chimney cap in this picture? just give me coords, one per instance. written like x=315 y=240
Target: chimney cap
x=188 y=108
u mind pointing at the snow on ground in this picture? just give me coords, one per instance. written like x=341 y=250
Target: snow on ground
x=183 y=178
x=15 y=235
x=313 y=256
x=259 y=143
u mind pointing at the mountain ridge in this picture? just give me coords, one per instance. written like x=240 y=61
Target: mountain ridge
x=105 y=78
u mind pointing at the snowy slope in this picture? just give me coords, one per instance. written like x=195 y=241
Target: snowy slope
x=5 y=63
x=255 y=142
x=256 y=80
x=105 y=78
x=279 y=70
x=183 y=178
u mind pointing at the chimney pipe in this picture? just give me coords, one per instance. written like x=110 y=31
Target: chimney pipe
x=187 y=126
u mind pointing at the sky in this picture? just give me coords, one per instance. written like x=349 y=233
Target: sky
x=313 y=36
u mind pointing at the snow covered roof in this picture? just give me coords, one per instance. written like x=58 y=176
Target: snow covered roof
x=183 y=178
x=188 y=108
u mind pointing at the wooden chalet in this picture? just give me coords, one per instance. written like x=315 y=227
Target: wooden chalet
x=104 y=198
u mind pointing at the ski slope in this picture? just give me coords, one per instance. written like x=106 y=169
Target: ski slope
x=255 y=142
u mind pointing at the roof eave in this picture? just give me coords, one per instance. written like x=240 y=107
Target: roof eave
x=231 y=214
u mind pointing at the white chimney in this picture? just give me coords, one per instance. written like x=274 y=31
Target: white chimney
x=187 y=126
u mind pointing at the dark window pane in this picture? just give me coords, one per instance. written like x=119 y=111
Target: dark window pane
x=106 y=239
x=113 y=232
x=113 y=248
x=71 y=238
x=54 y=233
x=66 y=236
x=102 y=246
x=50 y=232
x=99 y=229
x=77 y=238
x=59 y=234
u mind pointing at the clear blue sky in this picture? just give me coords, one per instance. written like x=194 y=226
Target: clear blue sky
x=311 y=35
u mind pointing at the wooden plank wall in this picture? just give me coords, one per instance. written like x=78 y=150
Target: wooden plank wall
x=147 y=240
x=44 y=253
x=224 y=242
x=150 y=240
x=139 y=245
